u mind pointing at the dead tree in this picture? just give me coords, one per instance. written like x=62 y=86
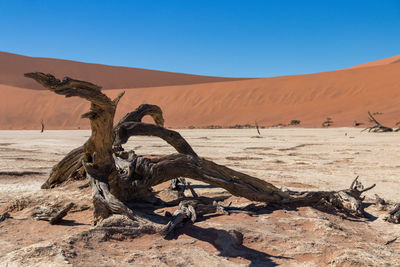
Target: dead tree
x=328 y=122
x=119 y=178
x=42 y=123
x=258 y=130
x=377 y=128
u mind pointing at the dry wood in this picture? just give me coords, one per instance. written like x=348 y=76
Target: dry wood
x=4 y=216
x=258 y=130
x=70 y=167
x=192 y=208
x=125 y=130
x=53 y=215
x=98 y=149
x=121 y=177
x=42 y=124
x=377 y=128
x=394 y=215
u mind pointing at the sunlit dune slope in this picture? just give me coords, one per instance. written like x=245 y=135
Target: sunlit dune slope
x=385 y=61
x=12 y=68
x=344 y=95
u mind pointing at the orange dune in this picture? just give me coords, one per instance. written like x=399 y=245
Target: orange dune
x=12 y=68
x=344 y=95
x=385 y=61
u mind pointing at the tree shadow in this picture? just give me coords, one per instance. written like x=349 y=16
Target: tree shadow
x=203 y=186
x=228 y=243
x=70 y=223
x=329 y=209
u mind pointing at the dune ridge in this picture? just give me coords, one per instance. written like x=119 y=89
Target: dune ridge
x=380 y=62
x=13 y=66
x=343 y=95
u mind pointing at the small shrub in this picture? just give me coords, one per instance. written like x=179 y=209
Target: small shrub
x=294 y=122
x=327 y=123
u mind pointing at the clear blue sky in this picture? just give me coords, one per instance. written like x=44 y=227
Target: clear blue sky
x=220 y=37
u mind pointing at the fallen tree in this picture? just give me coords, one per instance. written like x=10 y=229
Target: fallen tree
x=121 y=179
x=378 y=127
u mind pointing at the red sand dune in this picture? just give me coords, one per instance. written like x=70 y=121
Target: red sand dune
x=12 y=68
x=385 y=61
x=343 y=95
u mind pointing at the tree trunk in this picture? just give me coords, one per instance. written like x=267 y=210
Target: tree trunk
x=70 y=167
x=97 y=151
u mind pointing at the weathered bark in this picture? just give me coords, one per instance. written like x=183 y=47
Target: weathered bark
x=348 y=201
x=193 y=208
x=98 y=155
x=125 y=130
x=119 y=177
x=53 y=215
x=70 y=167
x=146 y=173
x=144 y=110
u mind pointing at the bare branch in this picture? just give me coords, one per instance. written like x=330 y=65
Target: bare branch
x=125 y=130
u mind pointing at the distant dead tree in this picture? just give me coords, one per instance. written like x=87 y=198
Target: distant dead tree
x=121 y=179
x=377 y=127
x=42 y=123
x=294 y=122
x=258 y=130
x=328 y=122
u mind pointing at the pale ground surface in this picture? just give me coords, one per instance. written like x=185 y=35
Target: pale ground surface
x=310 y=159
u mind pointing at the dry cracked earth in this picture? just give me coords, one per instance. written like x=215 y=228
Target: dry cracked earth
x=319 y=159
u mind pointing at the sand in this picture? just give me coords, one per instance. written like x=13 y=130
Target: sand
x=319 y=159
x=308 y=158
x=385 y=61
x=13 y=66
x=343 y=95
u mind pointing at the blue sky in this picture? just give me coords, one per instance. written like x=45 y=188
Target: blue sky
x=220 y=38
